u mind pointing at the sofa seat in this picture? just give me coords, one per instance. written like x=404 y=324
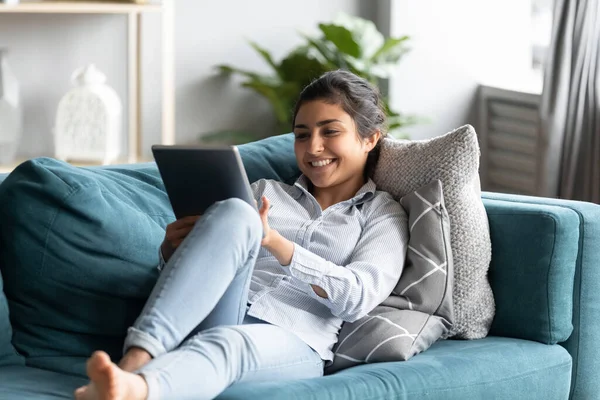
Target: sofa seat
x=20 y=382
x=490 y=368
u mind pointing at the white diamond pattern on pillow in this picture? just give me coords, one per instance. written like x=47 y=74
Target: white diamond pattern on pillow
x=419 y=310
x=453 y=158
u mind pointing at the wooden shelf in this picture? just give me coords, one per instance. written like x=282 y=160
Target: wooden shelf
x=78 y=7
x=8 y=168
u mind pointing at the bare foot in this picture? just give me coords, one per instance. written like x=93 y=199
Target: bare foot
x=109 y=382
x=134 y=359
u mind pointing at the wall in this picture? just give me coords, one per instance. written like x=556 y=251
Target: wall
x=455 y=46
x=45 y=49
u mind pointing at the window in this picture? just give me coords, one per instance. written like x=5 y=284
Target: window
x=541 y=29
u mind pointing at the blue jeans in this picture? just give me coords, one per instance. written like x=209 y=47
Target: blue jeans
x=195 y=325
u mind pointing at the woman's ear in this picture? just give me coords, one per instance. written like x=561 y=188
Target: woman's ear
x=372 y=140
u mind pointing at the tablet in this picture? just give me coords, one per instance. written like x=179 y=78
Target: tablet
x=196 y=177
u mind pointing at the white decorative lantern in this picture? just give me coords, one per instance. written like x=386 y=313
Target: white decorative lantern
x=88 y=120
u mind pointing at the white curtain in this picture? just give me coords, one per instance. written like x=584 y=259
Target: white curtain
x=570 y=107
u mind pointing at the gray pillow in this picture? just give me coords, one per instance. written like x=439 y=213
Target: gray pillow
x=419 y=311
x=454 y=160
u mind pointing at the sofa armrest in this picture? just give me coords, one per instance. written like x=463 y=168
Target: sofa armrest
x=583 y=342
x=534 y=251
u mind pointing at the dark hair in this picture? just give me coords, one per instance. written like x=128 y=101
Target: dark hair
x=358 y=98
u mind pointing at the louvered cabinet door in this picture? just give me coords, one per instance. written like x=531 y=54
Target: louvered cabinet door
x=509 y=139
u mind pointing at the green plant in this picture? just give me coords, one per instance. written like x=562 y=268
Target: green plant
x=348 y=42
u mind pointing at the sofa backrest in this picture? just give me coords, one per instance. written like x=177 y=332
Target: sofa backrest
x=532 y=269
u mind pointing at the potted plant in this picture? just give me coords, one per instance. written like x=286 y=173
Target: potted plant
x=348 y=42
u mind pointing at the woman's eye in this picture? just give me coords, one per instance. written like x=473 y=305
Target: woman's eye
x=301 y=136
x=330 y=131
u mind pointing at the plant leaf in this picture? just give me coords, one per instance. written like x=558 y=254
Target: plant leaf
x=383 y=71
x=266 y=56
x=268 y=80
x=364 y=33
x=327 y=52
x=226 y=69
x=301 y=68
x=401 y=120
x=361 y=68
x=342 y=38
x=391 y=51
x=281 y=104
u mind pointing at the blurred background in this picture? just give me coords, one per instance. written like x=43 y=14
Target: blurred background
x=234 y=65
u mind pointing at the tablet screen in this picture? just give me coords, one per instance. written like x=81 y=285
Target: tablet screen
x=195 y=177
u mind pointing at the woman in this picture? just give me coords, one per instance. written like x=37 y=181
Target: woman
x=246 y=296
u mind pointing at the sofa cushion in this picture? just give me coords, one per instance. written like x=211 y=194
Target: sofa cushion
x=534 y=255
x=452 y=158
x=8 y=354
x=271 y=158
x=20 y=382
x=420 y=312
x=78 y=250
x=490 y=368
x=449 y=370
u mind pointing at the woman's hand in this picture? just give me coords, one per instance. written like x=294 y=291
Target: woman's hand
x=279 y=246
x=268 y=233
x=175 y=234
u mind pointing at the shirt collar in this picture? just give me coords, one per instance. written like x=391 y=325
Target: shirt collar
x=364 y=193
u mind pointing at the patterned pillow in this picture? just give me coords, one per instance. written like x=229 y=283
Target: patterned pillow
x=419 y=311
x=454 y=160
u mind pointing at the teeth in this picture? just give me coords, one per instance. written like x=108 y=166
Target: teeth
x=321 y=163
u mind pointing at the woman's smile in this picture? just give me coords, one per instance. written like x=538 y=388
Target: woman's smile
x=322 y=164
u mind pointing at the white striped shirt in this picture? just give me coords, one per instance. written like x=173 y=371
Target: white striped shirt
x=353 y=250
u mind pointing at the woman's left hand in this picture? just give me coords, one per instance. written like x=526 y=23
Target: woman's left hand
x=264 y=216
x=280 y=247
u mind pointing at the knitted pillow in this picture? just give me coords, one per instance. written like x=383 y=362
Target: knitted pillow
x=419 y=311
x=452 y=158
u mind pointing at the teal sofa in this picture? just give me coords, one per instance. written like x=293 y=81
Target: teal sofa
x=78 y=256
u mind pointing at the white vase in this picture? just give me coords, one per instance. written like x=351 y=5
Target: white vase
x=88 y=120
x=11 y=113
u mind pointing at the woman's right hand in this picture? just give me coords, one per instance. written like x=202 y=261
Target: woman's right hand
x=175 y=234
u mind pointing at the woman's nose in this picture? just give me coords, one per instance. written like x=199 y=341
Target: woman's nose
x=316 y=144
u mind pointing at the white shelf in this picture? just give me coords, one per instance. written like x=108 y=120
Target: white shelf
x=78 y=7
x=134 y=12
x=7 y=168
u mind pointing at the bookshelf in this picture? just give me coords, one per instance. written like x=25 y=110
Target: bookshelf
x=79 y=7
x=133 y=12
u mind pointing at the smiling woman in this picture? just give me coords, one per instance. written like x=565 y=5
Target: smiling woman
x=338 y=123
x=318 y=255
